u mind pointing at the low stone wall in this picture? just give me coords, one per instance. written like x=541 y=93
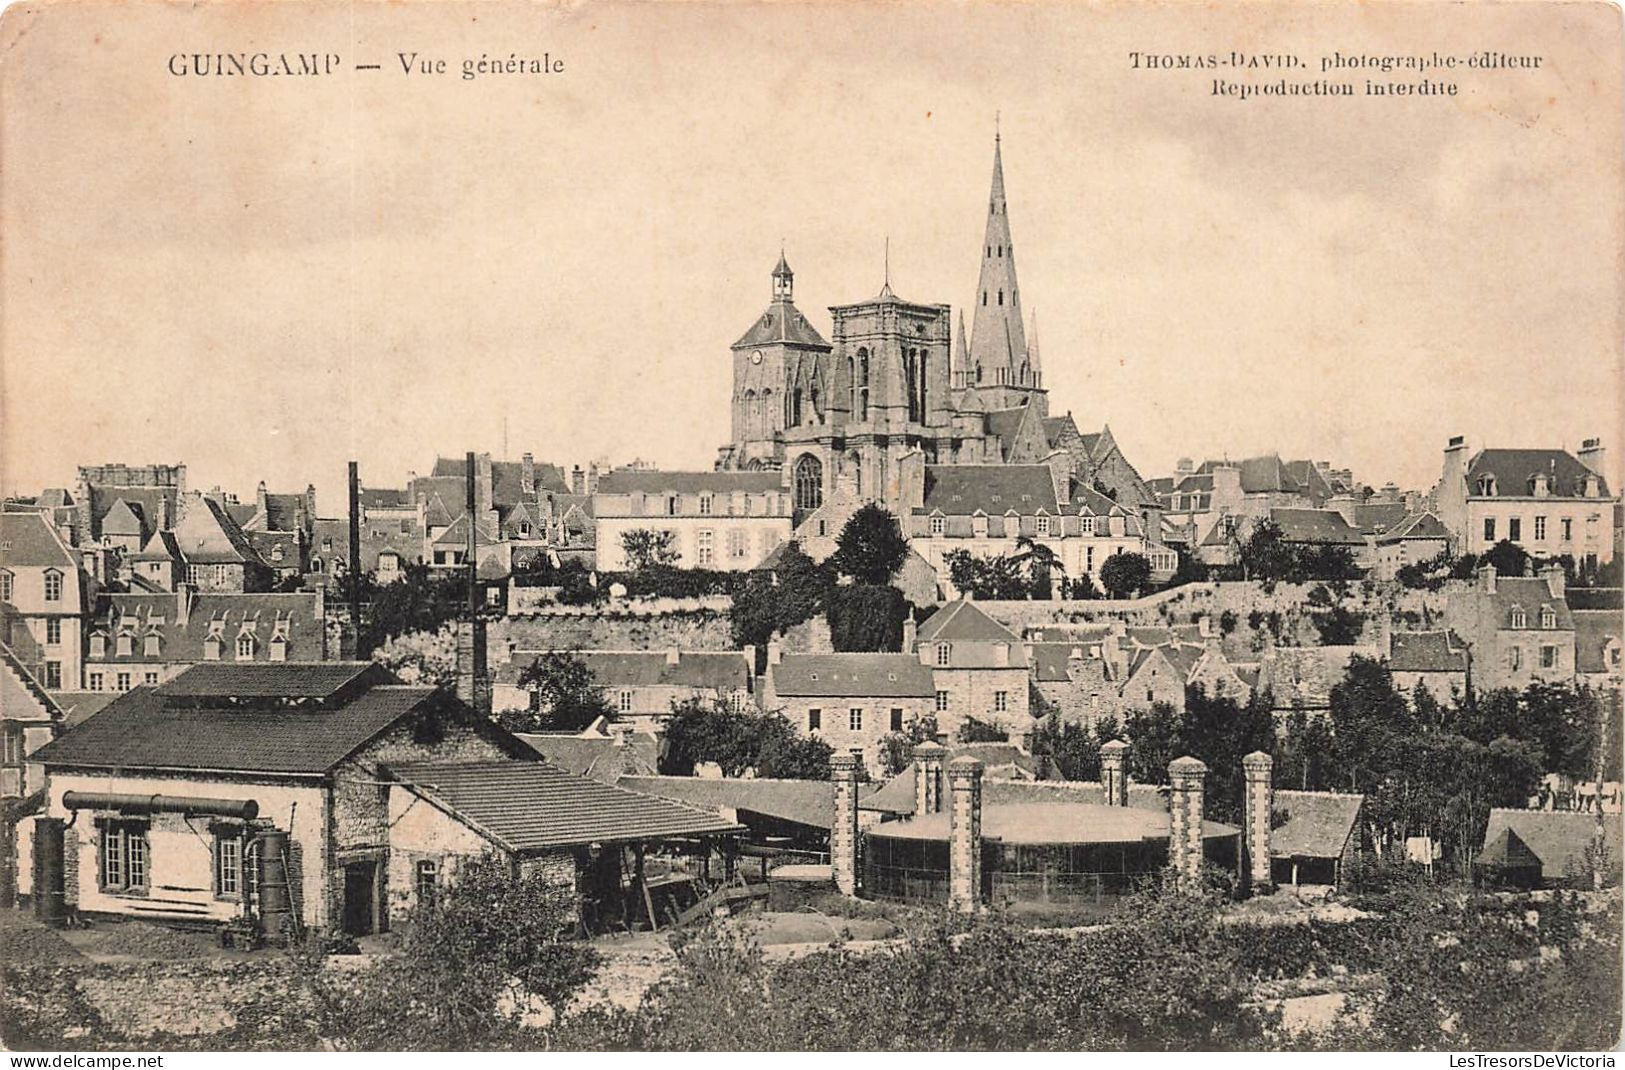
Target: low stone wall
x=697 y=629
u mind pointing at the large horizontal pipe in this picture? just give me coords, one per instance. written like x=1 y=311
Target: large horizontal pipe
x=243 y=809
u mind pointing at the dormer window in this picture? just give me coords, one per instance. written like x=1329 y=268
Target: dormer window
x=1519 y=618
x=939 y=525
x=245 y=647
x=125 y=645
x=279 y=647
x=1486 y=486
x=211 y=648
x=152 y=645
x=5 y=585
x=1088 y=525
x=1041 y=525
x=98 y=646
x=1548 y=619
x=705 y=505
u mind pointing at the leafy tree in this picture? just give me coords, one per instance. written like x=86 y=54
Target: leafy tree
x=1265 y=555
x=1191 y=569
x=1221 y=732
x=1339 y=626
x=1066 y=751
x=1082 y=586
x=870 y=547
x=1156 y=741
x=1509 y=558
x=647 y=548
x=563 y=696
x=770 y=604
x=739 y=742
x=420 y=601
x=998 y=577
x=1124 y=573
x=422 y=657
x=1039 y=565
x=866 y=618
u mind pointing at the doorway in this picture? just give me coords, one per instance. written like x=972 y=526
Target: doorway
x=360 y=897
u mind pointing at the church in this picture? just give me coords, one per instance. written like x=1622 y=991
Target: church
x=897 y=390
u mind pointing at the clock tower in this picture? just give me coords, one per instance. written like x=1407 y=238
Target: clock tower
x=776 y=382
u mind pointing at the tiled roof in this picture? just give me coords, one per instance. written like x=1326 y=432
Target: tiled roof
x=1318 y=823
x=294 y=680
x=964 y=489
x=80 y=706
x=143 y=729
x=852 y=675
x=782 y=322
x=1557 y=837
x=1427 y=652
x=964 y=622
x=805 y=802
x=1315 y=526
x=1595 y=630
x=29 y=541
x=529 y=806
x=1513 y=469
x=385 y=498
x=1415 y=526
x=225 y=615
x=645 y=481
x=722 y=671
x=457 y=534
x=1259 y=475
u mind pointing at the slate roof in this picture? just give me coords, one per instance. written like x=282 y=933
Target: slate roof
x=30 y=541
x=1508 y=851
x=1557 y=837
x=293 y=680
x=507 y=478
x=208 y=535
x=722 y=671
x=1415 y=526
x=1513 y=469
x=1315 y=526
x=1005 y=425
x=1437 y=651
x=532 y=806
x=852 y=676
x=1049 y=660
x=144 y=729
x=782 y=322
x=646 y=481
x=964 y=489
x=1318 y=823
x=226 y=614
x=125 y=518
x=282 y=511
x=964 y=622
x=385 y=498
x=153 y=501
x=1528 y=593
x=1376 y=518
x=1594 y=631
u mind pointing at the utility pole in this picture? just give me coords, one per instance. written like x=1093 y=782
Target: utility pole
x=352 y=575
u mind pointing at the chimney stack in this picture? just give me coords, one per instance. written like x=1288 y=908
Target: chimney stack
x=1486 y=578
x=1186 y=776
x=578 y=481
x=1556 y=579
x=965 y=834
x=1258 y=804
x=911 y=632
x=843 y=834
x=1592 y=455
x=928 y=777
x=1114 y=772
x=352 y=568
x=527 y=474
x=775 y=652
x=673 y=657
x=473 y=687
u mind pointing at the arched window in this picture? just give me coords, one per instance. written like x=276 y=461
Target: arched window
x=53 y=585
x=809 y=482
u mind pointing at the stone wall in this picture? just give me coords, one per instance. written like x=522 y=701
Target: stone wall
x=696 y=629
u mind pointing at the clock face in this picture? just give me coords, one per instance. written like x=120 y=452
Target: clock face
x=756 y=357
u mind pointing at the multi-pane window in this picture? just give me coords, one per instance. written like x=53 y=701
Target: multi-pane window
x=703 y=543
x=97 y=682
x=1548 y=619
x=1489 y=529
x=1041 y=525
x=705 y=505
x=53 y=585
x=738 y=542
x=124 y=856
x=228 y=864
x=122 y=682
x=5 y=586
x=942 y=702
x=426 y=878
x=1087 y=525
x=624 y=702
x=1540 y=529
x=815 y=719
x=1548 y=657
x=944 y=653
x=939 y=525
x=245 y=647
x=11 y=745
x=1001 y=701
x=53 y=631
x=1520 y=619
x=854 y=719
x=150 y=679
x=53 y=675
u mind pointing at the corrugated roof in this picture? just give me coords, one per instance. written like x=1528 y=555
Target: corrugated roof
x=1557 y=837
x=141 y=730
x=530 y=806
x=1318 y=823
x=852 y=676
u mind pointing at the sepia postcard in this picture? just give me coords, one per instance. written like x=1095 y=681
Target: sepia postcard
x=573 y=526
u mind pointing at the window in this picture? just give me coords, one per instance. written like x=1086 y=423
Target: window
x=896 y=720
x=1548 y=619
x=623 y=702
x=1548 y=657
x=809 y=482
x=944 y=653
x=1514 y=658
x=97 y=682
x=1087 y=525
x=738 y=543
x=279 y=648
x=1489 y=529
x=942 y=702
x=228 y=863
x=150 y=679
x=123 y=855
x=1540 y=529
x=98 y=646
x=854 y=719
x=671 y=505
x=1150 y=696
x=815 y=719
x=152 y=645
x=1001 y=701
x=703 y=544
x=939 y=525
x=121 y=682
x=125 y=644
x=524 y=529
x=211 y=648
x=11 y=745
x=53 y=631
x=5 y=586
x=705 y=505
x=1568 y=529
x=53 y=585
x=245 y=647
x=426 y=878
x=1515 y=528
x=1520 y=619
x=53 y=676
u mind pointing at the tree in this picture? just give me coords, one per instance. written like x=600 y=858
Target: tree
x=1509 y=558
x=421 y=657
x=998 y=577
x=1155 y=738
x=866 y=618
x=1039 y=565
x=420 y=601
x=870 y=547
x=1265 y=555
x=1124 y=573
x=1066 y=751
x=1339 y=626
x=646 y=548
x=769 y=604
x=972 y=730
x=740 y=742
x=563 y=696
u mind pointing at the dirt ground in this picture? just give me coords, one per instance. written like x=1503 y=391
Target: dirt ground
x=23 y=939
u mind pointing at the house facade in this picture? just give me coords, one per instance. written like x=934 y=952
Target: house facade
x=1519 y=628
x=1549 y=502
x=979 y=670
x=43 y=600
x=729 y=521
x=851 y=701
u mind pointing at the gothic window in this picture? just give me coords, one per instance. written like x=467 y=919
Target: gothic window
x=809 y=482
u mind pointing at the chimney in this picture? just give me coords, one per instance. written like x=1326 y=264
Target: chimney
x=1555 y=578
x=578 y=481
x=352 y=567
x=1345 y=506
x=775 y=652
x=1204 y=626
x=1486 y=578
x=592 y=477
x=1185 y=806
x=1258 y=804
x=911 y=632
x=673 y=657
x=527 y=474
x=183 y=603
x=1184 y=466
x=1114 y=772
x=928 y=757
x=1592 y=455
x=965 y=834
x=843 y=834
x=473 y=684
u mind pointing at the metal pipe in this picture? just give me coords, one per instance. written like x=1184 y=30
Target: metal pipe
x=243 y=809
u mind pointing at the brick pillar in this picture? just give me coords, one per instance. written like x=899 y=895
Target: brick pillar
x=965 y=834
x=843 y=834
x=1114 y=772
x=928 y=777
x=1186 y=776
x=466 y=678
x=1258 y=802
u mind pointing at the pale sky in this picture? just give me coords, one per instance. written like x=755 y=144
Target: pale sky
x=266 y=277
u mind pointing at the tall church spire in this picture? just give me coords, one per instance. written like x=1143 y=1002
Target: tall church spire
x=998 y=341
